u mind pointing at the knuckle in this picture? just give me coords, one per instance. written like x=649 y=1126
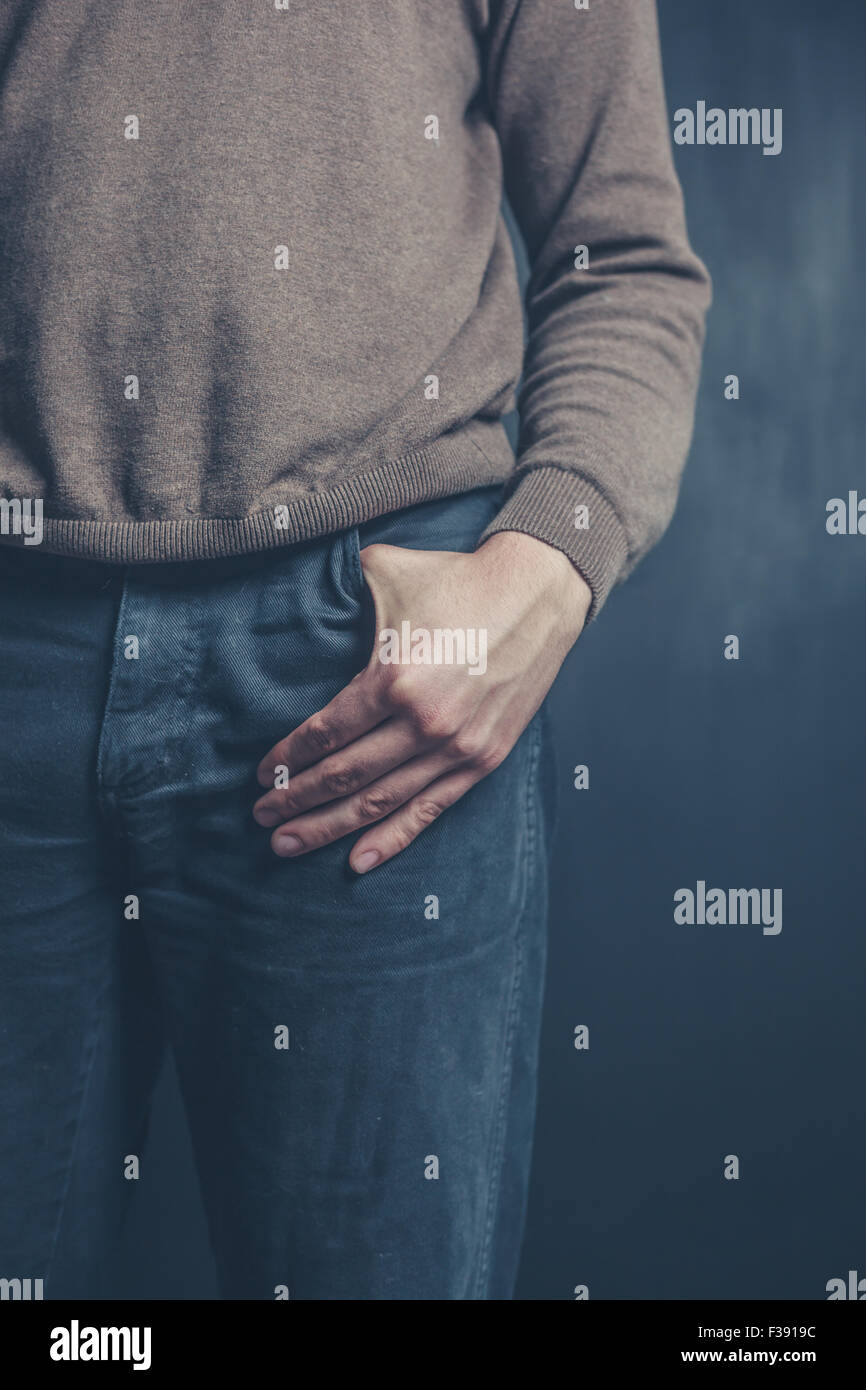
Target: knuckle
x=318 y=735
x=376 y=802
x=431 y=723
x=402 y=837
x=489 y=759
x=401 y=688
x=427 y=810
x=339 y=781
x=466 y=746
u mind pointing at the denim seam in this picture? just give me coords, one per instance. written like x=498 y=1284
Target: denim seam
x=498 y=1135
x=352 y=557
x=104 y=795
x=89 y=1060
x=85 y=1091
x=181 y=690
x=184 y=685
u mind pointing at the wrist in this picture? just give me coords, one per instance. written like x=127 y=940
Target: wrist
x=545 y=567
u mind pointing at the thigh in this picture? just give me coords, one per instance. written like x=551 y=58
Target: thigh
x=68 y=959
x=348 y=1065
x=356 y=1053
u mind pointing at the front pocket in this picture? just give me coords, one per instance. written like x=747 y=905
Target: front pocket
x=352 y=572
x=442 y=523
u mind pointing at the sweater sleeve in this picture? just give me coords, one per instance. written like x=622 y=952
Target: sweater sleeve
x=613 y=352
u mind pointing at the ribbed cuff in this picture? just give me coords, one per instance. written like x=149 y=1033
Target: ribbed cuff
x=545 y=505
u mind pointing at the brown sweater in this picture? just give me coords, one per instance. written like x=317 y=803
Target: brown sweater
x=256 y=286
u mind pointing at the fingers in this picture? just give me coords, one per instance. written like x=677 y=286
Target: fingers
x=353 y=712
x=371 y=803
x=370 y=757
x=405 y=824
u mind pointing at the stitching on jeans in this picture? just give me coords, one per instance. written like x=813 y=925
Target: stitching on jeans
x=85 y=1092
x=182 y=688
x=104 y=795
x=497 y=1138
x=352 y=559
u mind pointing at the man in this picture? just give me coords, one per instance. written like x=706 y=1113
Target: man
x=281 y=607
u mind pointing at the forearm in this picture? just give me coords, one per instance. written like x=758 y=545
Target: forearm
x=616 y=297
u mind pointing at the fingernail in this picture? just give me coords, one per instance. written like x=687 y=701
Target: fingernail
x=366 y=860
x=288 y=844
x=267 y=816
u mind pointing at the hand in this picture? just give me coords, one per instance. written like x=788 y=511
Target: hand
x=402 y=742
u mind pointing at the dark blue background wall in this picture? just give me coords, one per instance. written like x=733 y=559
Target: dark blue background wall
x=707 y=1040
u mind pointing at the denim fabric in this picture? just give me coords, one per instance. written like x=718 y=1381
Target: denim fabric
x=409 y=1037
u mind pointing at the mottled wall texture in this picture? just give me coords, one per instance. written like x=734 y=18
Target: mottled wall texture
x=709 y=769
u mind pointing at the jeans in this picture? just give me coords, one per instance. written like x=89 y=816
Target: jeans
x=356 y=1054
